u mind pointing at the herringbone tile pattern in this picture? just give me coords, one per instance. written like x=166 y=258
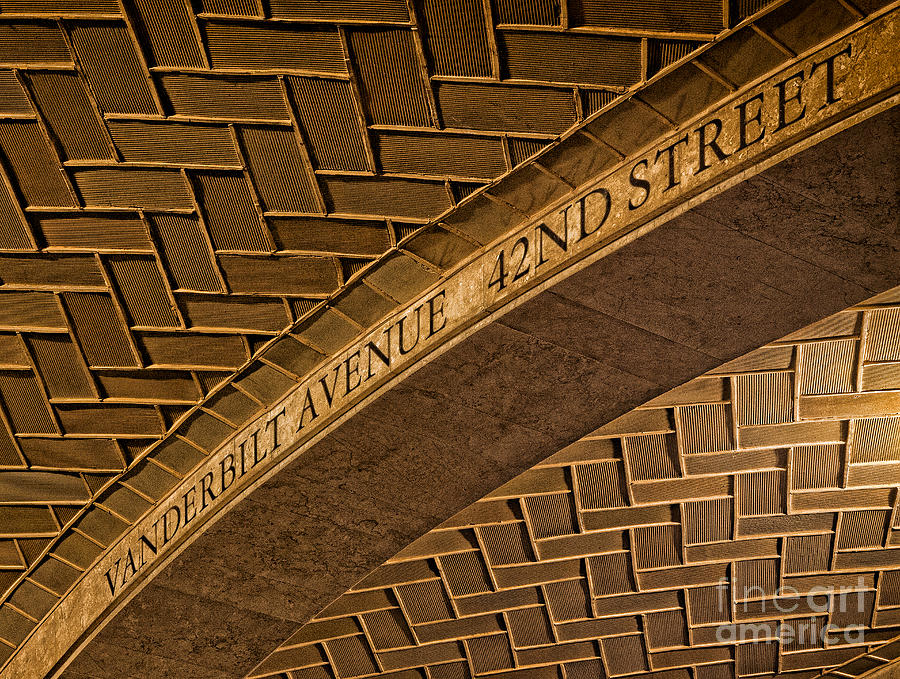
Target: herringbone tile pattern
x=184 y=181
x=744 y=524
x=181 y=181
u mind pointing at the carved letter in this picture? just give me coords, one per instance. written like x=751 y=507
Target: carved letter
x=403 y=348
x=744 y=121
x=830 y=98
x=385 y=358
x=542 y=230
x=670 y=152
x=243 y=459
x=436 y=310
x=257 y=458
x=206 y=489
x=308 y=406
x=784 y=100
x=129 y=563
x=229 y=468
x=166 y=536
x=189 y=505
x=711 y=144
x=329 y=392
x=565 y=215
x=639 y=183
x=111 y=581
x=352 y=371
x=145 y=542
x=274 y=421
x=607 y=205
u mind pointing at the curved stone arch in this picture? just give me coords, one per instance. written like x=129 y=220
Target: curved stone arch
x=424 y=260
x=326 y=480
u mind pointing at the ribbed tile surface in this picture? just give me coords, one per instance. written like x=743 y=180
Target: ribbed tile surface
x=180 y=181
x=650 y=562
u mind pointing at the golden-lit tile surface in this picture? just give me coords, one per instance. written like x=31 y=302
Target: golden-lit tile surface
x=743 y=524
x=181 y=181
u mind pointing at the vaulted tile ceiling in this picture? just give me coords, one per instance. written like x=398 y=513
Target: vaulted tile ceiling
x=182 y=181
x=743 y=524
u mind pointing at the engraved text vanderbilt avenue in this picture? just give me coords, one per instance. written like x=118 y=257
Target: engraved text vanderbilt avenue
x=799 y=98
